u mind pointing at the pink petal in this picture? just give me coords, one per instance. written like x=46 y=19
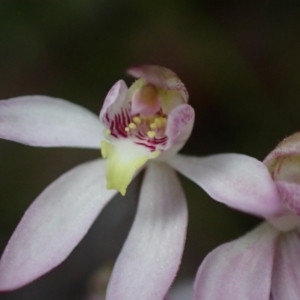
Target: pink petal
x=179 y=126
x=115 y=98
x=241 y=269
x=54 y=224
x=289 y=146
x=289 y=195
x=151 y=255
x=47 y=122
x=286 y=221
x=286 y=272
x=239 y=181
x=160 y=77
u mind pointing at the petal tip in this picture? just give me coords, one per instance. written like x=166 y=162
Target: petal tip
x=122 y=191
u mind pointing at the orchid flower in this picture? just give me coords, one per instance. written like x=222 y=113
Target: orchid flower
x=141 y=126
x=263 y=264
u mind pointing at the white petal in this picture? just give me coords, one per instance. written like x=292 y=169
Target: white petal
x=286 y=272
x=179 y=127
x=239 y=181
x=49 y=122
x=54 y=224
x=240 y=270
x=151 y=255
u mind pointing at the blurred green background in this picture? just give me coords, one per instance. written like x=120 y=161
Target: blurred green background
x=239 y=60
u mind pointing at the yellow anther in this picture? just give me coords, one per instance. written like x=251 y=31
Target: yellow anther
x=151 y=134
x=164 y=121
x=132 y=126
x=137 y=120
x=127 y=129
x=153 y=126
x=155 y=154
x=157 y=121
x=107 y=132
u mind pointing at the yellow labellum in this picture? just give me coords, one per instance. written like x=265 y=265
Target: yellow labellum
x=121 y=165
x=156 y=154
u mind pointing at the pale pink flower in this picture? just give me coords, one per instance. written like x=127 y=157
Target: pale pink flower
x=263 y=264
x=143 y=125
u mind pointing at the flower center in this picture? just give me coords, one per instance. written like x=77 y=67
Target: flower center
x=147 y=131
x=134 y=120
x=141 y=122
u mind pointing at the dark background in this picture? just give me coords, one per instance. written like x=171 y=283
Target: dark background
x=239 y=60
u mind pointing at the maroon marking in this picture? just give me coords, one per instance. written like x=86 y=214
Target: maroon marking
x=160 y=140
x=141 y=136
x=123 y=119
x=118 y=119
x=146 y=145
x=120 y=128
x=127 y=121
x=107 y=117
x=112 y=128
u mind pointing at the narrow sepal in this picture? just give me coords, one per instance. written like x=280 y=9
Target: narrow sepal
x=152 y=252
